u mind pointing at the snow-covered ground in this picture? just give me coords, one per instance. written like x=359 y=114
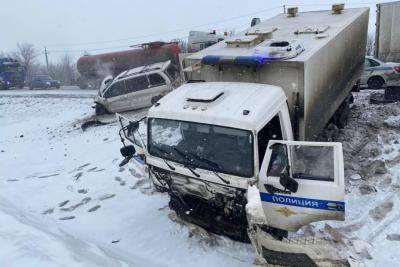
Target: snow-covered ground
x=65 y=202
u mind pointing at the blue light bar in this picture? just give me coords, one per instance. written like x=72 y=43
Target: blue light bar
x=249 y=60
x=211 y=60
x=229 y=60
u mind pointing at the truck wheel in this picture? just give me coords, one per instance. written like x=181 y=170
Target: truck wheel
x=375 y=82
x=356 y=87
x=341 y=117
x=100 y=109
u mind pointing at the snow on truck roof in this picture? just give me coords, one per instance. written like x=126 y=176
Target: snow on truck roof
x=231 y=104
x=283 y=28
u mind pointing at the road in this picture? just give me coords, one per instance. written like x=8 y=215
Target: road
x=63 y=92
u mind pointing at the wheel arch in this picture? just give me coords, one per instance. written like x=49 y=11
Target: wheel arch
x=376 y=76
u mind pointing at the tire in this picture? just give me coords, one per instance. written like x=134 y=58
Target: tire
x=375 y=82
x=100 y=109
x=341 y=117
x=356 y=87
x=58 y=87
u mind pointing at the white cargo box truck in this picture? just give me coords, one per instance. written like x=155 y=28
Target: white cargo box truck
x=235 y=134
x=387 y=35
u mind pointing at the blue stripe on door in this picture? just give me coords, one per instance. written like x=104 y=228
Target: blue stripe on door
x=303 y=202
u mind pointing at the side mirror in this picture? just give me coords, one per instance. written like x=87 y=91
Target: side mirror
x=288 y=183
x=132 y=127
x=128 y=151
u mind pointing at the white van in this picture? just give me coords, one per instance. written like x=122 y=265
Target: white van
x=136 y=88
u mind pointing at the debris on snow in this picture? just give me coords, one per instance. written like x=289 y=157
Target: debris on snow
x=94 y=208
x=380 y=212
x=106 y=196
x=393 y=237
x=62 y=204
x=366 y=189
x=67 y=218
x=355 y=177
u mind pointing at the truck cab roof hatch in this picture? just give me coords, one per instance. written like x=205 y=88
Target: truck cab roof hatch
x=204 y=96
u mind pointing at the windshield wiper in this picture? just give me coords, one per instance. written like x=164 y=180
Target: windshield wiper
x=212 y=164
x=188 y=160
x=165 y=161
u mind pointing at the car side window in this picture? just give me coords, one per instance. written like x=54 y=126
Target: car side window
x=373 y=63
x=136 y=84
x=116 y=89
x=156 y=80
x=367 y=64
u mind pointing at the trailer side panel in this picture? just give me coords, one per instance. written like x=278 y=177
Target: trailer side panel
x=330 y=75
x=387 y=46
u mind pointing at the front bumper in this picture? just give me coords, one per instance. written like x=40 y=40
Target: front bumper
x=392 y=79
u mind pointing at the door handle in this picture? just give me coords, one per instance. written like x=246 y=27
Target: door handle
x=273 y=190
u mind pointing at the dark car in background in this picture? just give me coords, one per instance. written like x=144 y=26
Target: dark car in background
x=44 y=82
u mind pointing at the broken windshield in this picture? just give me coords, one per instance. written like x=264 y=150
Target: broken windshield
x=221 y=149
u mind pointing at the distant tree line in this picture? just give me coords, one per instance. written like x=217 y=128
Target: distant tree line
x=27 y=54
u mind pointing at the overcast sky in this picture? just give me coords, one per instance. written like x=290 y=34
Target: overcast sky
x=73 y=26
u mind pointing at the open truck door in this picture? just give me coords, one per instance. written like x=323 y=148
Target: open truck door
x=130 y=131
x=302 y=182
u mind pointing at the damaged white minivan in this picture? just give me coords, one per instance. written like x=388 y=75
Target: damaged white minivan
x=136 y=88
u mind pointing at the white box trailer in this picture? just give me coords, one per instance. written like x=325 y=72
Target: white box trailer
x=387 y=35
x=316 y=81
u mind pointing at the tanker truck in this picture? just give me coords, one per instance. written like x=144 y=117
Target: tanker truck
x=94 y=68
x=237 y=147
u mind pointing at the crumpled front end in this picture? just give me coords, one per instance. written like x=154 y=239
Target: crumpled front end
x=217 y=208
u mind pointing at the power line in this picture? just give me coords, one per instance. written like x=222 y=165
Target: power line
x=167 y=32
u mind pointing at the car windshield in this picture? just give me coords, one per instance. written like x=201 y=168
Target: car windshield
x=44 y=78
x=216 y=148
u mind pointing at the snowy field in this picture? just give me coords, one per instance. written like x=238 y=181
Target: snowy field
x=65 y=202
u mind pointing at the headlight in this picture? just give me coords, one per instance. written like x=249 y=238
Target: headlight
x=48 y=83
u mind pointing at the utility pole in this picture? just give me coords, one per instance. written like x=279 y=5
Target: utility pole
x=47 y=60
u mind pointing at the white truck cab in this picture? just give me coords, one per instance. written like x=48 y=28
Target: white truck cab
x=136 y=88
x=208 y=142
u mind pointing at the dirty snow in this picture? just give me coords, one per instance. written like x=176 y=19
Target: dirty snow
x=65 y=202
